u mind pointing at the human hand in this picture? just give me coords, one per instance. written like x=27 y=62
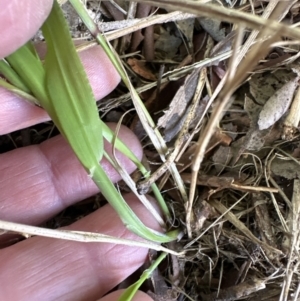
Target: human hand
x=39 y=181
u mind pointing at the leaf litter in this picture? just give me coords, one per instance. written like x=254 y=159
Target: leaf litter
x=277 y=105
x=245 y=217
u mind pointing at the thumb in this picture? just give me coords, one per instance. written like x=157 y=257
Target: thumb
x=19 y=21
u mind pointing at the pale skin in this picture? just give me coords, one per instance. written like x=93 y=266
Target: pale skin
x=38 y=182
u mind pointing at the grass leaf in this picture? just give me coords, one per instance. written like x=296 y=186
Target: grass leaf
x=71 y=102
x=129 y=293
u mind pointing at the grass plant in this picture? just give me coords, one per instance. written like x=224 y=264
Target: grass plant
x=61 y=87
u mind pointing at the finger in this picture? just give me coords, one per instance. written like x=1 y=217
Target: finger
x=47 y=178
x=16 y=113
x=114 y=296
x=48 y=269
x=19 y=21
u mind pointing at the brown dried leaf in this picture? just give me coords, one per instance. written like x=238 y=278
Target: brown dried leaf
x=264 y=85
x=178 y=107
x=140 y=68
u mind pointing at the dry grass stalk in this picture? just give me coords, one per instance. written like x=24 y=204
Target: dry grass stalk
x=124 y=27
x=228 y=15
x=274 y=201
x=81 y=236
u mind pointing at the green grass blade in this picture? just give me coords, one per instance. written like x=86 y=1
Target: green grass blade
x=30 y=69
x=108 y=134
x=147 y=121
x=12 y=76
x=128 y=217
x=19 y=92
x=129 y=293
x=73 y=107
x=32 y=49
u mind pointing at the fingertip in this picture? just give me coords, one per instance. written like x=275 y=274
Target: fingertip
x=19 y=21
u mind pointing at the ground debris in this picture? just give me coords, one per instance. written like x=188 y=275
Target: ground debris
x=236 y=292
x=277 y=105
x=173 y=118
x=140 y=68
x=285 y=167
